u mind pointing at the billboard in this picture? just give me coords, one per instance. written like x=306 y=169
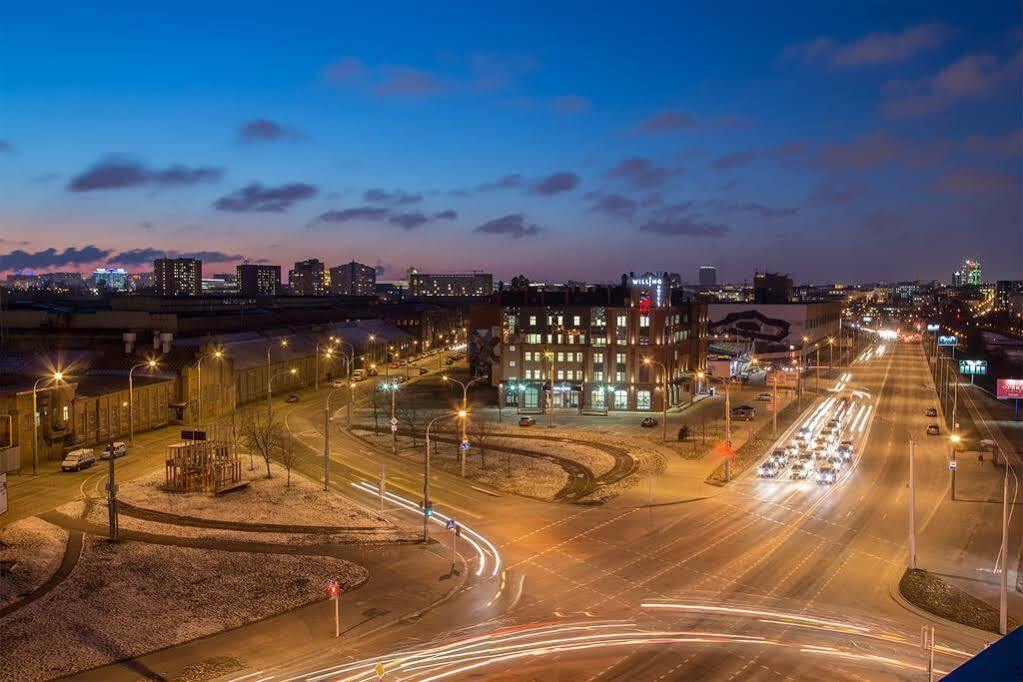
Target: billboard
x=948 y=341
x=933 y=327
x=1009 y=389
x=973 y=367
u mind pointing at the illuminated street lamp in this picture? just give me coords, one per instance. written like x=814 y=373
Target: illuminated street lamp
x=728 y=420
x=269 y=391
x=465 y=407
x=954 y=441
x=216 y=355
x=427 y=507
x=151 y=365
x=664 y=397
x=56 y=377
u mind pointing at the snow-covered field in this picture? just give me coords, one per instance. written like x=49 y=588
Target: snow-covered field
x=394 y=533
x=177 y=593
x=37 y=547
x=516 y=474
x=593 y=459
x=263 y=501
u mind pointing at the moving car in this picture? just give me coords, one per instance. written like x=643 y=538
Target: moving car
x=743 y=413
x=833 y=423
x=768 y=469
x=764 y=396
x=76 y=460
x=648 y=422
x=932 y=412
x=826 y=475
x=933 y=430
x=526 y=421
x=845 y=452
x=423 y=370
x=394 y=365
x=292 y=398
x=120 y=450
x=799 y=471
x=805 y=456
x=359 y=375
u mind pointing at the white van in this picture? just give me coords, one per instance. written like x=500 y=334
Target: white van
x=120 y=450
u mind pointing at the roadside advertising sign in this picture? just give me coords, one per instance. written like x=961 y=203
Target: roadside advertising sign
x=973 y=367
x=1009 y=389
x=933 y=327
x=948 y=341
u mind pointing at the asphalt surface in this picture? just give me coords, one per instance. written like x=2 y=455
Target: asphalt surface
x=765 y=579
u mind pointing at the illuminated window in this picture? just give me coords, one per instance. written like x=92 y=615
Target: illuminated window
x=642 y=400
x=621 y=399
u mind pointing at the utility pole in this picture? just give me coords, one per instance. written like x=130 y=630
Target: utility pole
x=817 y=367
x=912 y=507
x=1003 y=593
x=326 y=444
x=728 y=434
x=112 y=497
x=394 y=418
x=774 y=427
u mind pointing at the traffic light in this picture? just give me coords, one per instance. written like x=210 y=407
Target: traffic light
x=428 y=511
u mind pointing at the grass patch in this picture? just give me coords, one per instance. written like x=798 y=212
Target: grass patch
x=934 y=595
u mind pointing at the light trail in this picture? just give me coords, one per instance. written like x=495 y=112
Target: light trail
x=472 y=537
x=750 y=612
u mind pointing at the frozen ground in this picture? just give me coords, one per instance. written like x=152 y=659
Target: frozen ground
x=593 y=459
x=178 y=593
x=263 y=501
x=37 y=547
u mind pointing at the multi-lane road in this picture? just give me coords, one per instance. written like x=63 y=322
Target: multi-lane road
x=767 y=579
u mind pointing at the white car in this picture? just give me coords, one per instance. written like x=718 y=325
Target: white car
x=799 y=471
x=826 y=475
x=764 y=397
x=120 y=450
x=768 y=470
x=79 y=459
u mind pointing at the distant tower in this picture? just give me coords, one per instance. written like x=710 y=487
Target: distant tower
x=708 y=276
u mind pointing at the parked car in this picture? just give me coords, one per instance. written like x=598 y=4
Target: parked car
x=359 y=375
x=648 y=422
x=338 y=383
x=292 y=398
x=423 y=370
x=120 y=450
x=933 y=430
x=932 y=412
x=79 y=459
x=394 y=365
x=526 y=421
x=764 y=396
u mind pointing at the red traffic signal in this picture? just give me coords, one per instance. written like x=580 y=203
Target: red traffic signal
x=333 y=589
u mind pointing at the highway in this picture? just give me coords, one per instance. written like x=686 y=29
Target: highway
x=770 y=579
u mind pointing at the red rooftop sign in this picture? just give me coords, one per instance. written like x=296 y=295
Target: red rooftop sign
x=1009 y=389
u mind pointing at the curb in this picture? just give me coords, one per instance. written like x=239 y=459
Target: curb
x=896 y=595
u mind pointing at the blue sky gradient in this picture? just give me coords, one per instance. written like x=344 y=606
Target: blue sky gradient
x=857 y=141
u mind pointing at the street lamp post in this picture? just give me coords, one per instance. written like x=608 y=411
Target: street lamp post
x=392 y=387
x=912 y=507
x=728 y=422
x=954 y=439
x=326 y=438
x=465 y=408
x=1003 y=593
x=151 y=364
x=269 y=392
x=664 y=397
x=550 y=415
x=269 y=377
x=57 y=377
x=427 y=509
x=217 y=354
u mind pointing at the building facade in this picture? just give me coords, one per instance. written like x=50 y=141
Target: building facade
x=452 y=285
x=607 y=350
x=307 y=278
x=353 y=279
x=708 y=276
x=255 y=279
x=178 y=276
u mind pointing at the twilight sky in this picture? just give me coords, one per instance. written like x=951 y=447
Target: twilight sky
x=834 y=141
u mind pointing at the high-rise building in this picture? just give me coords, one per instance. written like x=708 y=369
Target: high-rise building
x=708 y=276
x=770 y=287
x=111 y=279
x=353 y=279
x=259 y=280
x=307 y=278
x=178 y=276
x=454 y=285
x=968 y=274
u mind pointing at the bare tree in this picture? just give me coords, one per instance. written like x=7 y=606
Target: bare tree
x=481 y=430
x=411 y=418
x=288 y=454
x=263 y=435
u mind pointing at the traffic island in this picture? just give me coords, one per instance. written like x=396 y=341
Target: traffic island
x=932 y=594
x=754 y=449
x=31 y=551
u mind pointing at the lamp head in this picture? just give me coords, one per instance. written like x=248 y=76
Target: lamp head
x=151 y=364
x=284 y=343
x=57 y=376
x=462 y=414
x=218 y=353
x=294 y=370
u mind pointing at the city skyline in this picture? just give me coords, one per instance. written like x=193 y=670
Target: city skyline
x=857 y=146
